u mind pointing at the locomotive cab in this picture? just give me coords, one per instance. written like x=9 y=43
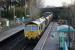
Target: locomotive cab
x=31 y=31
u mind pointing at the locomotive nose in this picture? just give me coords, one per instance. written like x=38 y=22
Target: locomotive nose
x=31 y=35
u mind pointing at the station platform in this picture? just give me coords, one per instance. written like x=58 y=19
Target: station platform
x=50 y=39
x=4 y=35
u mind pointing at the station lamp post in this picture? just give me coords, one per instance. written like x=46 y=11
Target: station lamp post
x=25 y=7
x=14 y=13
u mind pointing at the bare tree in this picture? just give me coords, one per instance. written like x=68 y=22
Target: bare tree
x=34 y=11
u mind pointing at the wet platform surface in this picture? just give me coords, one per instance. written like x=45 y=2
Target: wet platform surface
x=50 y=39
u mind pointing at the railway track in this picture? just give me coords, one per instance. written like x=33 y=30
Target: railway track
x=44 y=37
x=16 y=42
x=51 y=28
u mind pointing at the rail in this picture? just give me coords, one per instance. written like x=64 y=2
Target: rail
x=43 y=39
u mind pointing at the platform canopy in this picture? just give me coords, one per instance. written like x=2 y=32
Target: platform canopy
x=65 y=28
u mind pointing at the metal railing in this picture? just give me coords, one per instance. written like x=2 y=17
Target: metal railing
x=65 y=46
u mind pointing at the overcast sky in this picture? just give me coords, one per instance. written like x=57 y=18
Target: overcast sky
x=56 y=3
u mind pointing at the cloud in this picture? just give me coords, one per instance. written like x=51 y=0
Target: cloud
x=56 y=3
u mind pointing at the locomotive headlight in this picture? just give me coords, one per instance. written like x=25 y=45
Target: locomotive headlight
x=25 y=34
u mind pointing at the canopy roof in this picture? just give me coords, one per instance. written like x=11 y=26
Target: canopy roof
x=65 y=28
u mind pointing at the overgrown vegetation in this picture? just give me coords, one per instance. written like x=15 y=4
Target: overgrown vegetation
x=20 y=9
x=19 y=12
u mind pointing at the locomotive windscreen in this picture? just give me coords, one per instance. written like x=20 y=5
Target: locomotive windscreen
x=34 y=28
x=28 y=28
x=31 y=28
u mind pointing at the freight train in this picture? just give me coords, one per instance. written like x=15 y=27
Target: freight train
x=34 y=29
